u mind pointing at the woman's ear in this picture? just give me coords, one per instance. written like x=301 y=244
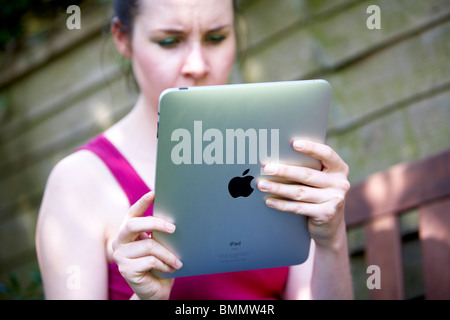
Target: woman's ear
x=121 y=38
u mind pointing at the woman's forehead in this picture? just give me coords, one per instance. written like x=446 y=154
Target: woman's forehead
x=184 y=13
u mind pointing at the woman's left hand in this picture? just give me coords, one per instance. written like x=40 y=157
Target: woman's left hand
x=320 y=195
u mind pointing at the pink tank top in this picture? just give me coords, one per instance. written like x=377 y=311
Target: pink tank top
x=255 y=284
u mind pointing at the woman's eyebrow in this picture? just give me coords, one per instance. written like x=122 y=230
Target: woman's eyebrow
x=180 y=31
x=170 y=31
x=219 y=28
x=167 y=28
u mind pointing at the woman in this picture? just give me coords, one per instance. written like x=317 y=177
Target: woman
x=86 y=223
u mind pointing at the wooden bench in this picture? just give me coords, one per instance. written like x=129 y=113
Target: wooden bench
x=377 y=203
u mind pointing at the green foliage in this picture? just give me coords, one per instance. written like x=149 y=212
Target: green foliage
x=22 y=286
x=16 y=15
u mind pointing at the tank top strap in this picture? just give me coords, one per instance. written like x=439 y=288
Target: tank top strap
x=127 y=177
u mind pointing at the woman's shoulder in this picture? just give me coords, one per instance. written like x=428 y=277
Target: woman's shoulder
x=79 y=169
x=81 y=184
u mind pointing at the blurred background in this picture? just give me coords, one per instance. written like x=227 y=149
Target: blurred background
x=59 y=87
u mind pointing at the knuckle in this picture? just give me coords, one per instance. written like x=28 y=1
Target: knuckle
x=329 y=213
x=344 y=185
x=280 y=206
x=299 y=193
x=283 y=206
x=275 y=187
x=116 y=257
x=119 y=257
x=128 y=226
x=338 y=200
x=346 y=169
x=328 y=152
x=150 y=245
x=328 y=216
x=115 y=244
x=298 y=209
x=124 y=270
x=308 y=175
x=152 y=262
x=283 y=170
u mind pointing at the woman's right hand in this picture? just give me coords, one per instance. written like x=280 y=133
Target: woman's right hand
x=136 y=253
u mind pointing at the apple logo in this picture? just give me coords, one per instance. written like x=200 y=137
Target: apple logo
x=240 y=186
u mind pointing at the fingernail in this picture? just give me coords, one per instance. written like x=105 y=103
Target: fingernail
x=170 y=227
x=298 y=145
x=178 y=264
x=148 y=196
x=263 y=185
x=270 y=169
x=270 y=203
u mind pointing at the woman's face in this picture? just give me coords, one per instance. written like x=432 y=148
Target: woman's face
x=181 y=43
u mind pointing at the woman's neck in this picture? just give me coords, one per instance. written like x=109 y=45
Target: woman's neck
x=137 y=130
x=135 y=136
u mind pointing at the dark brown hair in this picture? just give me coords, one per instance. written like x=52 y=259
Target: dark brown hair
x=126 y=10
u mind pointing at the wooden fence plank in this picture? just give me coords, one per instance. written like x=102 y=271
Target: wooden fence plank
x=434 y=232
x=415 y=66
x=338 y=40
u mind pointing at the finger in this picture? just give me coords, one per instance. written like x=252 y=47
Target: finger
x=331 y=161
x=139 y=208
x=134 y=227
x=314 y=211
x=136 y=267
x=150 y=247
x=298 y=174
x=149 y=263
x=319 y=212
x=293 y=191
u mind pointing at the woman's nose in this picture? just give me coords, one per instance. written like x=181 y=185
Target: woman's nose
x=195 y=64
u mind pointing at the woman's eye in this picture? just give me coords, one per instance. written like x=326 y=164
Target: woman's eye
x=169 y=42
x=215 y=38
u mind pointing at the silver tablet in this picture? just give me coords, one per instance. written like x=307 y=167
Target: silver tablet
x=212 y=142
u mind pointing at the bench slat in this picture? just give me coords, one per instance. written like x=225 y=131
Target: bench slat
x=434 y=233
x=383 y=249
x=400 y=188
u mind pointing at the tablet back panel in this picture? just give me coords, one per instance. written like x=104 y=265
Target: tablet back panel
x=210 y=135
